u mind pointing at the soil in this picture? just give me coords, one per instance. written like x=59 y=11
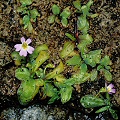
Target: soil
x=105 y=29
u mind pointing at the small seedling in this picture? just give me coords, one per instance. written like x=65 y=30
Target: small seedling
x=29 y=15
x=56 y=12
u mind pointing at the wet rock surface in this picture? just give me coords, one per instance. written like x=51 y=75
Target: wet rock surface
x=105 y=29
x=38 y=112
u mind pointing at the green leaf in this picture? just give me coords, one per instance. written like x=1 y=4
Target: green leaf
x=108 y=98
x=77 y=4
x=30 y=27
x=90 y=2
x=34 y=14
x=66 y=13
x=90 y=101
x=105 y=61
x=83 y=68
x=85 y=10
x=67 y=49
x=69 y=82
x=92 y=58
x=56 y=71
x=66 y=93
x=42 y=57
x=107 y=74
x=81 y=22
x=93 y=15
x=16 y=56
x=26 y=20
x=102 y=109
x=22 y=74
x=55 y=9
x=103 y=89
x=49 y=65
x=27 y=23
x=27 y=91
x=100 y=67
x=82 y=78
x=26 y=2
x=113 y=113
x=107 y=67
x=77 y=78
x=64 y=21
x=85 y=29
x=85 y=40
x=40 y=73
x=82 y=47
x=37 y=51
x=75 y=60
x=53 y=98
x=94 y=74
x=49 y=90
x=70 y=36
x=51 y=19
x=21 y=9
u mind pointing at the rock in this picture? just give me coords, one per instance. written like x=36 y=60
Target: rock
x=34 y=112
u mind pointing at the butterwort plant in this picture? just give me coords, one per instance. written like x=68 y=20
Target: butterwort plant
x=24 y=48
x=90 y=101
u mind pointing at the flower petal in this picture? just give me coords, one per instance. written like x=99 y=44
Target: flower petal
x=18 y=47
x=30 y=49
x=113 y=91
x=23 y=53
x=110 y=86
x=22 y=39
x=28 y=41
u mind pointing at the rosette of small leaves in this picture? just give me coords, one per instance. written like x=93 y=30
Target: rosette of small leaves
x=82 y=22
x=64 y=15
x=29 y=15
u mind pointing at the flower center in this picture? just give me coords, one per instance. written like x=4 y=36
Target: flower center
x=108 y=89
x=24 y=45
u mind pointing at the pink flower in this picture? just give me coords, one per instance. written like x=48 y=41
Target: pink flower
x=110 y=88
x=24 y=47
